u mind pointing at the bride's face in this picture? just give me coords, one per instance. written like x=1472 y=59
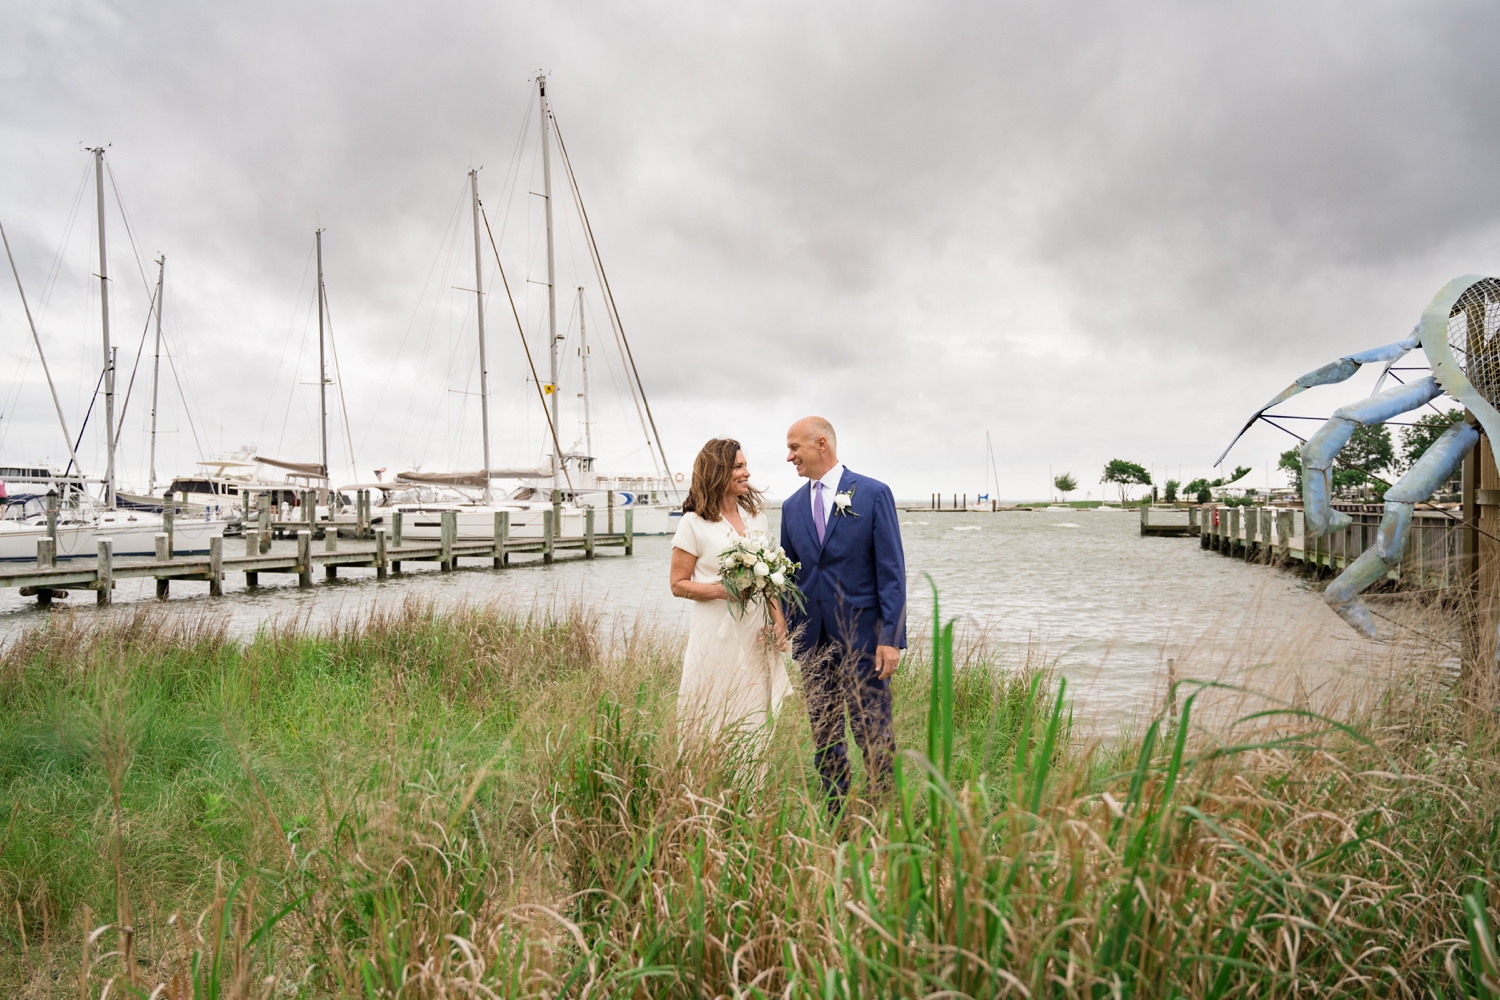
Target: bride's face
x=739 y=480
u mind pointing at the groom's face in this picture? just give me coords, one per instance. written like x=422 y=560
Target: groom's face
x=808 y=451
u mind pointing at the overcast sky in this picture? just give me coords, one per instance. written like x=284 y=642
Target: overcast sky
x=1090 y=230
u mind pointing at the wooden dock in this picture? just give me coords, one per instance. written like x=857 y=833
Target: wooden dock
x=1434 y=556
x=381 y=550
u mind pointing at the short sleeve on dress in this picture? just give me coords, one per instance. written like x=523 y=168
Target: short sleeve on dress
x=686 y=538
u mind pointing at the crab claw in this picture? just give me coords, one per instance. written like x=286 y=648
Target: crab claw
x=1330 y=374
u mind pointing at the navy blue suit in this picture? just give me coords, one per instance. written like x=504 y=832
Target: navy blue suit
x=855 y=585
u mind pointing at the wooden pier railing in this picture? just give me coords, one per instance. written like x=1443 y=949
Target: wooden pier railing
x=1434 y=546
x=383 y=551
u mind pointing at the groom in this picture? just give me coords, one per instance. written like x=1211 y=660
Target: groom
x=842 y=528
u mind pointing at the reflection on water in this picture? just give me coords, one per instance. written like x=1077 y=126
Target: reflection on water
x=1103 y=603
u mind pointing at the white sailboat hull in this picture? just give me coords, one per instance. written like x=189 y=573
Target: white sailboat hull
x=133 y=535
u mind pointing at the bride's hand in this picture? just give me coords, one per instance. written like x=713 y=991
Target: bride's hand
x=783 y=641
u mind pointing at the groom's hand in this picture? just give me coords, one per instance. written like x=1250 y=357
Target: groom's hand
x=886 y=658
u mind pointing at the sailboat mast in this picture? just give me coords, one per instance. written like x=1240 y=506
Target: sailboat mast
x=109 y=367
x=583 y=363
x=484 y=374
x=161 y=280
x=546 y=110
x=322 y=363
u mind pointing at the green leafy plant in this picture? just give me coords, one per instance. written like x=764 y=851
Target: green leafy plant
x=1124 y=475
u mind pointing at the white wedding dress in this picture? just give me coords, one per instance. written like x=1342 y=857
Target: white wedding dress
x=731 y=676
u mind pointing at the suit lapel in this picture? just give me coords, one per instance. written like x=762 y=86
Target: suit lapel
x=845 y=481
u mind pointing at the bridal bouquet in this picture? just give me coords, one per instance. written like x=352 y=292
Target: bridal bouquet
x=754 y=570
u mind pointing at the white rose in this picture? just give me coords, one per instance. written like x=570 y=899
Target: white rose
x=747 y=558
x=761 y=569
x=778 y=578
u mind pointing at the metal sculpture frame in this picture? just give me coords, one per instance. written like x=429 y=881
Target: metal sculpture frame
x=1473 y=299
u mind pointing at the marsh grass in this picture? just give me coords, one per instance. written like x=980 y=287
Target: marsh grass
x=493 y=802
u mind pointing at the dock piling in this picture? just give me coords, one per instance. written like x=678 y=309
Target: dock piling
x=216 y=566
x=448 y=533
x=396 y=539
x=46 y=553
x=380 y=558
x=588 y=533
x=304 y=558
x=629 y=532
x=502 y=535
x=264 y=523
x=163 y=584
x=104 y=585
x=167 y=519
x=548 y=523
x=331 y=544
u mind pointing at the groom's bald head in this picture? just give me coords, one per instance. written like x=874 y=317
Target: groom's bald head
x=812 y=446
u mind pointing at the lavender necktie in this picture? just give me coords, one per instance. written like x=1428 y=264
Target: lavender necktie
x=819 y=518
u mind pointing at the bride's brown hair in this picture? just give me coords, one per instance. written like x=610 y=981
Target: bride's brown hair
x=713 y=474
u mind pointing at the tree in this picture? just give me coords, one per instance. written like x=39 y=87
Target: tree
x=1065 y=484
x=1291 y=461
x=1417 y=438
x=1171 y=489
x=1125 y=475
x=1369 y=447
x=1368 y=453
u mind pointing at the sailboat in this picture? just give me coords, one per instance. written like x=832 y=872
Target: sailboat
x=222 y=485
x=82 y=522
x=570 y=475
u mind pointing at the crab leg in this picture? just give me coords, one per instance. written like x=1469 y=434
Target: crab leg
x=1319 y=452
x=1337 y=371
x=1430 y=471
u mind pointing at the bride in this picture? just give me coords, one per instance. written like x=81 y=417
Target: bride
x=731 y=675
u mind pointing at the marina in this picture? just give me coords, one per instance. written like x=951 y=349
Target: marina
x=372 y=547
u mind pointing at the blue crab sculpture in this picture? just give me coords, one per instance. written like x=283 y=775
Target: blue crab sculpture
x=1460 y=334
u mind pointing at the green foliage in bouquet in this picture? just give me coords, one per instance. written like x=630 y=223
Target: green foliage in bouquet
x=754 y=570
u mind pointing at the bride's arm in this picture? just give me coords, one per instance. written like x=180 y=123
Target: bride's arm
x=682 y=580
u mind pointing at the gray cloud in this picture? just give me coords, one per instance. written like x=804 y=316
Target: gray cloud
x=1092 y=230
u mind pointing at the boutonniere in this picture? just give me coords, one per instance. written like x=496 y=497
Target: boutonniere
x=843 y=503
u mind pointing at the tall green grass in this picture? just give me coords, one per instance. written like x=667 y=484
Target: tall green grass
x=494 y=803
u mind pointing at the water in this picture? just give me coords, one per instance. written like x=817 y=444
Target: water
x=1080 y=588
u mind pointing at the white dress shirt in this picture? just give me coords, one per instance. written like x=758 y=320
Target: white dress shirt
x=830 y=483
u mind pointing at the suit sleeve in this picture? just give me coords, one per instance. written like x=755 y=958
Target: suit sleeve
x=786 y=535
x=890 y=571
